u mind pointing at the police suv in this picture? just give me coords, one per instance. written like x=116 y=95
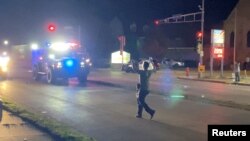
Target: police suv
x=60 y=61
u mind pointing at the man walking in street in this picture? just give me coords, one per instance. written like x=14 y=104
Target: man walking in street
x=144 y=76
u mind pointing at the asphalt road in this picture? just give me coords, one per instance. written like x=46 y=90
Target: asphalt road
x=166 y=83
x=108 y=113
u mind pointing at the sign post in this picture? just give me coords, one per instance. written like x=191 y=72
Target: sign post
x=217 y=50
x=122 y=41
x=201 y=68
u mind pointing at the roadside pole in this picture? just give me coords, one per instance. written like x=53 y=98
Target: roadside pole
x=235 y=36
x=202 y=38
x=211 y=62
x=79 y=35
x=222 y=66
x=122 y=41
x=122 y=57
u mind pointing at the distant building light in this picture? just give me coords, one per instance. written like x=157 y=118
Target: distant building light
x=34 y=46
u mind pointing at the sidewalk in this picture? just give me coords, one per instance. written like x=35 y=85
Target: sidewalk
x=13 y=128
x=227 y=77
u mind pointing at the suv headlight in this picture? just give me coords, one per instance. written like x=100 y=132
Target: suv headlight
x=59 y=65
x=87 y=60
x=82 y=64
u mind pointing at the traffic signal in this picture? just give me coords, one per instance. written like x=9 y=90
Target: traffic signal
x=199 y=36
x=51 y=28
x=157 y=22
x=199 y=47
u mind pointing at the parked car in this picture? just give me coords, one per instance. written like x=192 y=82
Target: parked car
x=131 y=66
x=172 y=64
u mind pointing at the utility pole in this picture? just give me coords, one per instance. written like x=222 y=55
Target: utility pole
x=202 y=8
x=202 y=27
x=79 y=36
x=235 y=35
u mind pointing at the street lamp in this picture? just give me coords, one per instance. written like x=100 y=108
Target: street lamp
x=6 y=42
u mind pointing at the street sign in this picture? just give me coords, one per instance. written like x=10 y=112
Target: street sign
x=122 y=41
x=218 y=52
x=117 y=58
x=218 y=37
x=201 y=68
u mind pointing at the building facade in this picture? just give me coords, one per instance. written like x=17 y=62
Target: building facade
x=237 y=33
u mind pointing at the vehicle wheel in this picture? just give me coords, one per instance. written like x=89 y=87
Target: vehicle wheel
x=51 y=79
x=82 y=79
x=35 y=75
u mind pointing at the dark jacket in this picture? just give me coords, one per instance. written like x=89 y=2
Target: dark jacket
x=144 y=79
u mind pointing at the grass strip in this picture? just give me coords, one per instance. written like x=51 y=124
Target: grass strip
x=54 y=128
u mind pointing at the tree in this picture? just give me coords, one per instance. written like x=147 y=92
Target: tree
x=155 y=44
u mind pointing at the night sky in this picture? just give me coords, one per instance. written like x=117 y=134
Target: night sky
x=24 y=20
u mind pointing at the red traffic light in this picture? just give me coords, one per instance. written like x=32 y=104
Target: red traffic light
x=199 y=34
x=157 y=22
x=51 y=28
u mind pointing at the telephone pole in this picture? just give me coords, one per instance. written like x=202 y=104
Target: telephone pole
x=202 y=8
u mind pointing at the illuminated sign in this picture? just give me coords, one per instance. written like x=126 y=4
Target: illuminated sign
x=218 y=37
x=117 y=58
x=218 y=52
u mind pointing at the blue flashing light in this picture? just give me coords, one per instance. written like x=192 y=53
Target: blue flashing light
x=69 y=63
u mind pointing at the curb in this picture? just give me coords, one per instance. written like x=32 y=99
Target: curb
x=213 y=81
x=229 y=104
x=204 y=80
